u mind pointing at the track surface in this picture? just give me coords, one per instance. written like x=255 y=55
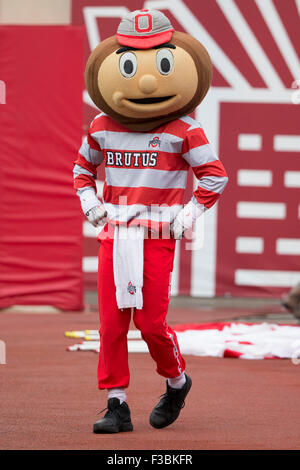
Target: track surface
x=49 y=397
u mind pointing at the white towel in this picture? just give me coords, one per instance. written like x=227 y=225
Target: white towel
x=128 y=262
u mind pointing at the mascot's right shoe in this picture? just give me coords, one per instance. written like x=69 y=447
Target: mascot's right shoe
x=116 y=419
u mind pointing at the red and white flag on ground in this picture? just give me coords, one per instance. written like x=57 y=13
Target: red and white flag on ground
x=243 y=340
x=239 y=340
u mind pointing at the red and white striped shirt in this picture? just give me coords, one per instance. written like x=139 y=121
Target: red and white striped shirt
x=146 y=172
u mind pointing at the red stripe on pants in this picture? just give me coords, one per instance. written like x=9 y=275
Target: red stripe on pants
x=162 y=342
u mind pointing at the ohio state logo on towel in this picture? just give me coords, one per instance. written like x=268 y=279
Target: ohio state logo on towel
x=131 y=288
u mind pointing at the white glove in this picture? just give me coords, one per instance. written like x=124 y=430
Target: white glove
x=92 y=207
x=185 y=219
x=97 y=216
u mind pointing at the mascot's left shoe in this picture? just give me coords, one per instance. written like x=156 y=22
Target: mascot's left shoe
x=169 y=407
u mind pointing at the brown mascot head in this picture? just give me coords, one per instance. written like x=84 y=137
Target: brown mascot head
x=148 y=74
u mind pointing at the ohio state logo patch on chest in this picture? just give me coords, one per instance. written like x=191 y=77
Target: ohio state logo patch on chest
x=155 y=142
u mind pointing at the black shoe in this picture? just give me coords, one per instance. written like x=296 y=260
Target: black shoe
x=117 y=418
x=169 y=407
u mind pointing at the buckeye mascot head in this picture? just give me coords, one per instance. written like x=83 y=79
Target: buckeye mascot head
x=148 y=74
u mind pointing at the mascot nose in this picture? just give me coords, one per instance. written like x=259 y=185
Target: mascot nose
x=148 y=84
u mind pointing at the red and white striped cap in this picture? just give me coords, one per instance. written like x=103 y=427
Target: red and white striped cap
x=143 y=29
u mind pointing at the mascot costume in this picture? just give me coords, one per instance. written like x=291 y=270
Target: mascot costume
x=145 y=80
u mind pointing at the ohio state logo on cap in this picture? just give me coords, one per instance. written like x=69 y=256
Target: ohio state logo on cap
x=143 y=22
x=143 y=29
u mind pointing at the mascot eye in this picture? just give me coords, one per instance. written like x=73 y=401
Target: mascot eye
x=128 y=64
x=164 y=61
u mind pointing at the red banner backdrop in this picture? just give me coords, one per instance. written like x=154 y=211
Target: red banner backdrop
x=251 y=240
x=41 y=130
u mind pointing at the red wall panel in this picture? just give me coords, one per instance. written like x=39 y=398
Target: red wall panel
x=266 y=121
x=41 y=123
